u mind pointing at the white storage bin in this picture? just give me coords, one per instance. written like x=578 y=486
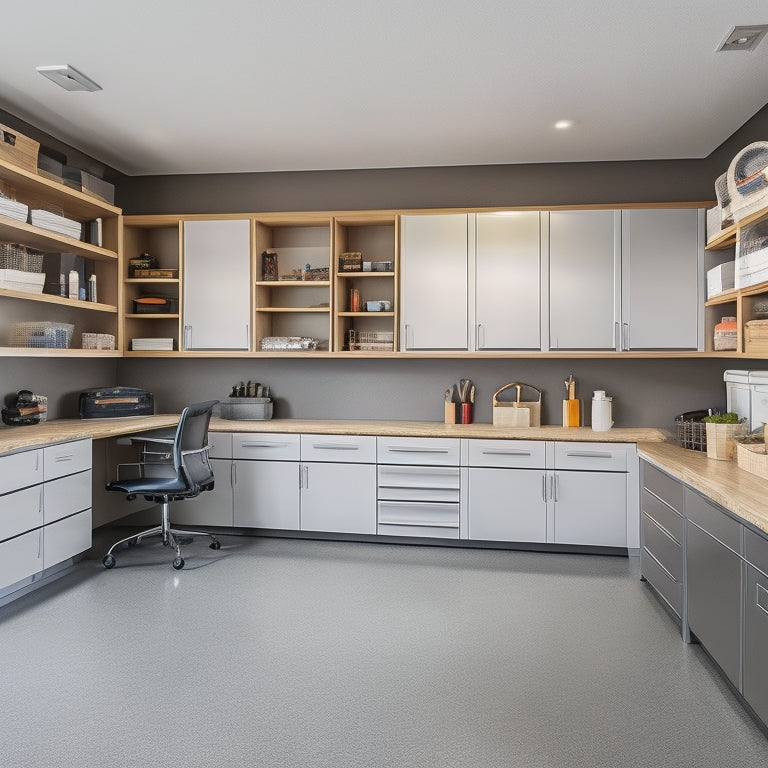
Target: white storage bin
x=721 y=278
x=714 y=222
x=752 y=255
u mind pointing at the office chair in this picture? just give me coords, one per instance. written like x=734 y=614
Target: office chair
x=174 y=467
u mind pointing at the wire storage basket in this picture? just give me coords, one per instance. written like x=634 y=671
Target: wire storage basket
x=691 y=434
x=16 y=256
x=98 y=341
x=44 y=334
x=370 y=341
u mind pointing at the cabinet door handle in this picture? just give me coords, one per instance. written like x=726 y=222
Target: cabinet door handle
x=625 y=334
x=233 y=474
x=480 y=340
x=555 y=487
x=544 y=488
x=616 y=337
x=187 y=337
x=408 y=336
x=762 y=598
x=306 y=477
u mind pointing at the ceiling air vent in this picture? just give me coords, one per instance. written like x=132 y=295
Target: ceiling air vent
x=744 y=38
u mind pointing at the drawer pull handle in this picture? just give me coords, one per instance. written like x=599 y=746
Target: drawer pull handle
x=417 y=524
x=504 y=452
x=265 y=445
x=394 y=449
x=65 y=457
x=762 y=598
x=589 y=454
x=434 y=487
x=336 y=446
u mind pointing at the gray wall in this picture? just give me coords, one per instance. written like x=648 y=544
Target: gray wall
x=645 y=392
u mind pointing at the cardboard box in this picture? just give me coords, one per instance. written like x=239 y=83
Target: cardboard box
x=88 y=183
x=721 y=279
x=18 y=149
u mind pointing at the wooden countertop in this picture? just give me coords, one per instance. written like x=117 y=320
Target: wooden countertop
x=60 y=430
x=734 y=489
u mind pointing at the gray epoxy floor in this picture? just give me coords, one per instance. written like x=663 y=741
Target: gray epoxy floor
x=277 y=652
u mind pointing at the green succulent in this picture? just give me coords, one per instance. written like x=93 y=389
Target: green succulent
x=722 y=418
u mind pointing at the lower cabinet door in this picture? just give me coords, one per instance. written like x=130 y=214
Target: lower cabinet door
x=713 y=592
x=266 y=494
x=507 y=505
x=21 y=557
x=338 y=498
x=590 y=508
x=210 y=507
x=756 y=643
x=66 y=538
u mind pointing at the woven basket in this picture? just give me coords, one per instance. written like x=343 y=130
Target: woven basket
x=752 y=458
x=720 y=440
x=747 y=179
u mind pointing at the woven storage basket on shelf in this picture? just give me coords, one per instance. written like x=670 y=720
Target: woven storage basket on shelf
x=16 y=256
x=723 y=200
x=752 y=457
x=720 y=440
x=747 y=178
x=44 y=334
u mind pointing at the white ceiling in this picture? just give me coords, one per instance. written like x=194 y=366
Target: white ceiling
x=191 y=86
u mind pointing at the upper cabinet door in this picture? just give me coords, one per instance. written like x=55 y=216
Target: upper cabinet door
x=434 y=287
x=217 y=284
x=584 y=253
x=507 y=273
x=661 y=258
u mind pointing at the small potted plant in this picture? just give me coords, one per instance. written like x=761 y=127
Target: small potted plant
x=721 y=430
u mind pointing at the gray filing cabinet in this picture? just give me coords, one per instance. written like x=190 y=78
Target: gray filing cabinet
x=755 y=675
x=662 y=526
x=714 y=581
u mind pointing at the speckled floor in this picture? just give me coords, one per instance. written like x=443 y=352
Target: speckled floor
x=276 y=652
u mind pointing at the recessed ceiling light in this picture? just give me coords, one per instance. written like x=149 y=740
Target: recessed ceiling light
x=564 y=125
x=744 y=38
x=68 y=78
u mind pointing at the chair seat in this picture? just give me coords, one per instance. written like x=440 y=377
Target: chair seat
x=153 y=486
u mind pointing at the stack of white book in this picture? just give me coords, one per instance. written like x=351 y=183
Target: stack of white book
x=55 y=223
x=157 y=344
x=12 y=209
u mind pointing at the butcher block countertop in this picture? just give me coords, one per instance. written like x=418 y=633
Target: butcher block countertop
x=734 y=489
x=60 y=430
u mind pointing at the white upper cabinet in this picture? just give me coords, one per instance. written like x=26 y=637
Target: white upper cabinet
x=217 y=284
x=507 y=274
x=584 y=262
x=434 y=287
x=662 y=253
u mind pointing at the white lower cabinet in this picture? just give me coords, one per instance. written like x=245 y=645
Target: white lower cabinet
x=559 y=493
x=45 y=509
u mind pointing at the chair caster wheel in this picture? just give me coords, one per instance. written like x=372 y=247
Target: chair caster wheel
x=215 y=544
x=109 y=561
x=178 y=563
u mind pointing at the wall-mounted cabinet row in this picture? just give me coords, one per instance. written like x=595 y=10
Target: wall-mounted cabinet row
x=490 y=281
x=558 y=280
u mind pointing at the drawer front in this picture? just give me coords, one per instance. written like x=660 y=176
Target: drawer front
x=66 y=458
x=418 y=483
x=66 y=538
x=21 y=557
x=418 y=519
x=713 y=520
x=266 y=446
x=345 y=449
x=522 y=454
x=66 y=495
x=665 y=516
x=597 y=457
x=667 y=552
x=425 y=451
x=756 y=550
x=21 y=511
x=663 y=486
x=221 y=445
x=19 y=470
x=661 y=580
